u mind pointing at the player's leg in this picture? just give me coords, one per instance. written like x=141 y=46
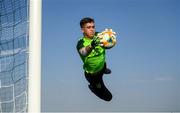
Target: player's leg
x=97 y=86
x=92 y=79
x=106 y=70
x=106 y=94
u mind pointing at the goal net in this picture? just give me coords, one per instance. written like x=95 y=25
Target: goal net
x=14 y=55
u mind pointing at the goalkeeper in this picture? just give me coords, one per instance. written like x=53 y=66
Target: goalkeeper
x=93 y=57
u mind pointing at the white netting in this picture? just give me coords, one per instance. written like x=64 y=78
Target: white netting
x=13 y=55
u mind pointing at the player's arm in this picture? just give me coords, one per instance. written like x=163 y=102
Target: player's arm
x=85 y=50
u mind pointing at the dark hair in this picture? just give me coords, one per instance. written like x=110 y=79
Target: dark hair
x=86 y=20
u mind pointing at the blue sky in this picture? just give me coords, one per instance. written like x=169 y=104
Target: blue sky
x=145 y=63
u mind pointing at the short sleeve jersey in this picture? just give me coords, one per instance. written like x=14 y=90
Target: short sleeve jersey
x=93 y=62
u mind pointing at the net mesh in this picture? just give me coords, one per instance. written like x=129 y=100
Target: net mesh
x=13 y=55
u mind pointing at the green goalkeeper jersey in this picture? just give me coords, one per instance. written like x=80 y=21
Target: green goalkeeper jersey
x=94 y=61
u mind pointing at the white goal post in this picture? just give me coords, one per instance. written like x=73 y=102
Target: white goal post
x=34 y=92
x=20 y=56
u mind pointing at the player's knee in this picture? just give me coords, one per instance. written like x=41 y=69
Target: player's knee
x=109 y=97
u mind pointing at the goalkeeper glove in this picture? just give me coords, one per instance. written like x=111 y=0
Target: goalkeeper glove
x=95 y=41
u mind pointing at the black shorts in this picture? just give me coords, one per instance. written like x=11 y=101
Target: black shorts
x=95 y=78
x=97 y=85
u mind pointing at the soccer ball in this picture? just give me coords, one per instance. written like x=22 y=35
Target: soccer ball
x=107 y=38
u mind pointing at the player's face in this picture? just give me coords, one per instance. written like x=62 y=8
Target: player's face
x=89 y=30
